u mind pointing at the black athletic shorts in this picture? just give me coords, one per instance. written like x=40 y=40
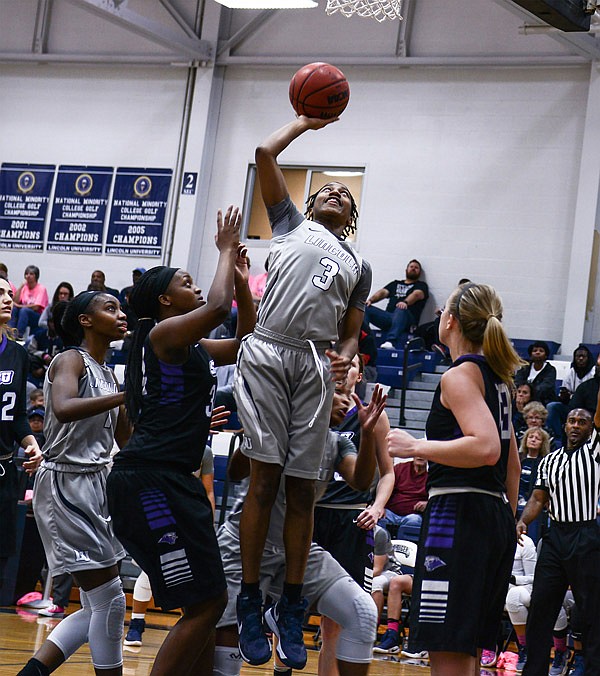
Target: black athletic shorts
x=464 y=562
x=165 y=522
x=350 y=546
x=9 y=497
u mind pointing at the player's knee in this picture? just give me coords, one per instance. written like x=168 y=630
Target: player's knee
x=299 y=493
x=107 y=604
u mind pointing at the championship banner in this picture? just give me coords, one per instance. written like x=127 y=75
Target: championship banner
x=79 y=209
x=137 y=214
x=24 y=196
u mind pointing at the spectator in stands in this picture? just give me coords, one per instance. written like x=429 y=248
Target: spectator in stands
x=29 y=303
x=523 y=395
x=535 y=415
x=568 y=482
x=406 y=300
x=63 y=292
x=586 y=394
x=409 y=495
x=98 y=283
x=36 y=422
x=540 y=373
x=36 y=399
x=582 y=369
x=388 y=577
x=135 y=278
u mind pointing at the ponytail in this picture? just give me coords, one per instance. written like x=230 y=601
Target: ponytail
x=143 y=300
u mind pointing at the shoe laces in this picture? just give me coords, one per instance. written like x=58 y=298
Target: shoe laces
x=291 y=616
x=559 y=658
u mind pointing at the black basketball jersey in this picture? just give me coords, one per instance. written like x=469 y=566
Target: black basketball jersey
x=14 y=367
x=443 y=426
x=338 y=492
x=176 y=409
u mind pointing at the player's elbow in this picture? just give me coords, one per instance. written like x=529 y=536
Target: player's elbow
x=490 y=452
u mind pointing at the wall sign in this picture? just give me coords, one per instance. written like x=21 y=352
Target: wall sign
x=137 y=214
x=24 y=197
x=79 y=209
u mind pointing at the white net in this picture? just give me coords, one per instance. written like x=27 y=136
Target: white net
x=378 y=9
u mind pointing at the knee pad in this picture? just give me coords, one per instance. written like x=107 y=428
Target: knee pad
x=355 y=611
x=561 y=621
x=228 y=661
x=73 y=631
x=142 y=590
x=107 y=606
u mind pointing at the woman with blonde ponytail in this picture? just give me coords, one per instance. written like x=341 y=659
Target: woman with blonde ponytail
x=468 y=538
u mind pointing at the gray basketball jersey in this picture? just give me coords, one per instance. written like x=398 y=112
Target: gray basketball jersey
x=336 y=448
x=81 y=444
x=313 y=278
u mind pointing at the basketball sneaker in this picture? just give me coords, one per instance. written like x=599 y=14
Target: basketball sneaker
x=255 y=647
x=419 y=655
x=488 y=658
x=135 y=631
x=389 y=644
x=559 y=663
x=522 y=659
x=578 y=666
x=285 y=621
x=52 y=611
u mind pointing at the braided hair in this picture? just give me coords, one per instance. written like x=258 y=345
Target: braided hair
x=350 y=229
x=144 y=301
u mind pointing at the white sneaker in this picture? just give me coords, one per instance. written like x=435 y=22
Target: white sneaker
x=421 y=655
x=387 y=346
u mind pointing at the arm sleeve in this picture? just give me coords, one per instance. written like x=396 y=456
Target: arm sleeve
x=284 y=217
x=360 y=293
x=528 y=561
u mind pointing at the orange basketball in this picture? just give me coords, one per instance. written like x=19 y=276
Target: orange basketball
x=319 y=90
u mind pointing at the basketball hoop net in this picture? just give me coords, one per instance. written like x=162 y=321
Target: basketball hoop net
x=378 y=9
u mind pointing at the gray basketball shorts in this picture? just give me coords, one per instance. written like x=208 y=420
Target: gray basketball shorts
x=322 y=570
x=278 y=390
x=72 y=517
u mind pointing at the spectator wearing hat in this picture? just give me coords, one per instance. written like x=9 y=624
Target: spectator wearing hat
x=36 y=422
x=539 y=372
x=587 y=392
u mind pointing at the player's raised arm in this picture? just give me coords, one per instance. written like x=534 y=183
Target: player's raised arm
x=272 y=183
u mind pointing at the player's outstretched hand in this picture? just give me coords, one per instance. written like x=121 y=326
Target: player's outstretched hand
x=369 y=415
x=228 y=229
x=219 y=418
x=401 y=444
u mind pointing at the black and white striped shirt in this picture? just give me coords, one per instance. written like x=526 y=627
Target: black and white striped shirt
x=572 y=481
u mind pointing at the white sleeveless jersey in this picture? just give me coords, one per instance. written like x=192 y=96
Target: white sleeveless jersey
x=82 y=444
x=310 y=285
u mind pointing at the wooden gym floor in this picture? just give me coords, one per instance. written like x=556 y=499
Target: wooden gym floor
x=23 y=631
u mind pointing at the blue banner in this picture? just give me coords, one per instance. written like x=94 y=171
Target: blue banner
x=137 y=214
x=79 y=209
x=24 y=197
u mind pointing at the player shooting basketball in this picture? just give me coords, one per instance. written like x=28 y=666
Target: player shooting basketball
x=314 y=298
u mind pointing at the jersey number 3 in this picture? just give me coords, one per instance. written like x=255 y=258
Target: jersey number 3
x=330 y=270
x=9 y=399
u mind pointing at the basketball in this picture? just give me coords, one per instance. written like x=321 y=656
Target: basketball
x=319 y=90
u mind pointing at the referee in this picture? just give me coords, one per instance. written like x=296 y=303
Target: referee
x=568 y=484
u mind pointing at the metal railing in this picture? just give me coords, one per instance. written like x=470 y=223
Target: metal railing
x=412 y=345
